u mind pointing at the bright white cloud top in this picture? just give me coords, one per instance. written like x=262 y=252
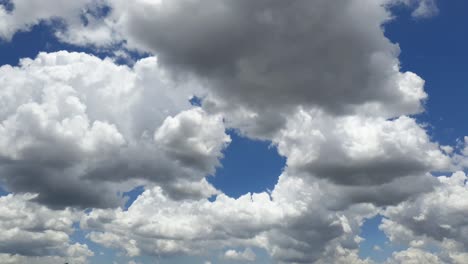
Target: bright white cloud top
x=317 y=79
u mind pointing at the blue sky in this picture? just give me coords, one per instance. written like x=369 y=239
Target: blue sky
x=434 y=48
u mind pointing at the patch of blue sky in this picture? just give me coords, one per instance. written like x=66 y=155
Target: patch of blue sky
x=376 y=245
x=132 y=195
x=7 y=4
x=248 y=166
x=41 y=38
x=436 y=50
x=3 y=192
x=101 y=254
x=196 y=101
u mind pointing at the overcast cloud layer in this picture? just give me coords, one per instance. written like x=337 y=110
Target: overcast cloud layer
x=317 y=79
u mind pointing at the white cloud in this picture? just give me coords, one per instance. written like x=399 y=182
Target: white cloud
x=357 y=150
x=26 y=14
x=158 y=225
x=246 y=255
x=434 y=220
x=85 y=126
x=317 y=78
x=422 y=8
x=414 y=256
x=32 y=233
x=193 y=138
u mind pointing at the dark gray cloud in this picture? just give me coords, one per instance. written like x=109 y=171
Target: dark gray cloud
x=265 y=56
x=58 y=188
x=278 y=54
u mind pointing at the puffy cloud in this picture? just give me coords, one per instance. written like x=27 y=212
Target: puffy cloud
x=434 y=220
x=310 y=53
x=413 y=256
x=307 y=207
x=32 y=233
x=79 y=21
x=359 y=159
x=246 y=255
x=25 y=14
x=265 y=56
x=76 y=129
x=356 y=150
x=290 y=224
x=193 y=138
x=342 y=255
x=317 y=78
x=422 y=8
x=175 y=227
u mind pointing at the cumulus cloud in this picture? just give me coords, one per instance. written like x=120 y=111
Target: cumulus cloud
x=357 y=150
x=76 y=129
x=193 y=138
x=317 y=78
x=413 y=256
x=82 y=17
x=285 y=53
x=246 y=255
x=432 y=220
x=292 y=224
x=422 y=8
x=32 y=233
x=264 y=55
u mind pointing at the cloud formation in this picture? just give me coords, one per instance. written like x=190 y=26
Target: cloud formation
x=289 y=224
x=318 y=79
x=266 y=56
x=32 y=233
x=246 y=255
x=432 y=220
x=77 y=129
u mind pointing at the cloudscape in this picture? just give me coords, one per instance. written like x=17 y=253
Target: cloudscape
x=233 y=131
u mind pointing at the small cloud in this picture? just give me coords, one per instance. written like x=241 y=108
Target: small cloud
x=246 y=255
x=426 y=8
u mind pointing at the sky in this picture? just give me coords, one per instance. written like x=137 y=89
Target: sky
x=216 y=131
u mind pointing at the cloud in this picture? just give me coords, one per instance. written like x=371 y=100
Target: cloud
x=413 y=256
x=148 y=132
x=421 y=8
x=358 y=150
x=433 y=220
x=316 y=78
x=246 y=255
x=192 y=137
x=173 y=227
x=266 y=56
x=289 y=224
x=307 y=207
x=32 y=233
x=62 y=16
x=77 y=129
